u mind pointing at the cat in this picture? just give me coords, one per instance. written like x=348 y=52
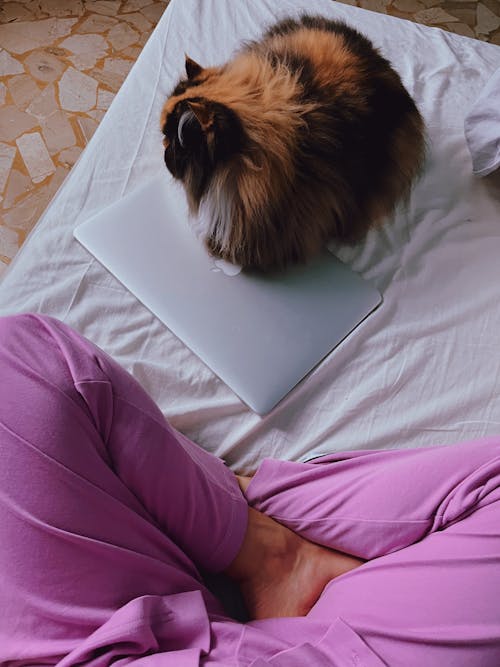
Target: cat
x=305 y=136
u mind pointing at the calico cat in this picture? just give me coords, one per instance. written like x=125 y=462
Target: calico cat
x=304 y=136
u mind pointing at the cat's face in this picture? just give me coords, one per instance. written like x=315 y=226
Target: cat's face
x=199 y=134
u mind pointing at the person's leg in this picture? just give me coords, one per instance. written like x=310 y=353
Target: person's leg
x=430 y=520
x=370 y=503
x=101 y=501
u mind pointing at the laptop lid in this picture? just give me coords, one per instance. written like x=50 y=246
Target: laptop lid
x=260 y=334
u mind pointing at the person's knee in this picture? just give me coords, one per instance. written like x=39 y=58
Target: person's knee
x=14 y=328
x=26 y=340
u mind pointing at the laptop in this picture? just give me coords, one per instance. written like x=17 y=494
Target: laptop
x=261 y=334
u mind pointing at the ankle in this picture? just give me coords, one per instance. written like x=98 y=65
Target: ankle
x=265 y=543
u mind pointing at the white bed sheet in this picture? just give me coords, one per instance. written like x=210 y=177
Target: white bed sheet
x=423 y=370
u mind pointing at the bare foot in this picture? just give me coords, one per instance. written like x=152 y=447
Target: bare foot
x=243 y=482
x=281 y=573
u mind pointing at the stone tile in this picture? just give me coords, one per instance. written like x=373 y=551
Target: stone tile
x=9 y=242
x=96 y=23
x=7 y=154
x=9 y=65
x=14 y=11
x=88 y=126
x=108 y=78
x=69 y=156
x=44 y=104
x=18 y=186
x=134 y=51
x=153 y=12
x=122 y=35
x=62 y=7
x=23 y=215
x=460 y=29
x=23 y=90
x=104 y=99
x=14 y=122
x=19 y=37
x=77 y=91
x=58 y=132
x=35 y=156
x=434 y=15
x=45 y=66
x=88 y=49
x=34 y=7
x=118 y=65
x=3 y=93
x=106 y=7
x=464 y=14
x=409 y=6
x=487 y=21
x=96 y=114
x=494 y=5
x=28 y=210
x=138 y=21
x=134 y=5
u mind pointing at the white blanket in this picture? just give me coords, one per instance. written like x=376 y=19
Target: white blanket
x=423 y=370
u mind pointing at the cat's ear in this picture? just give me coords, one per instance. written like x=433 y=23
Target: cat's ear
x=192 y=68
x=204 y=114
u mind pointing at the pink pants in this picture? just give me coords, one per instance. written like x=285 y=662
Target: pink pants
x=108 y=517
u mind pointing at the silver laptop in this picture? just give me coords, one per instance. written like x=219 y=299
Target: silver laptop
x=260 y=334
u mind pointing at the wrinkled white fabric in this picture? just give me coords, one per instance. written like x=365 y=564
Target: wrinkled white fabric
x=482 y=128
x=423 y=369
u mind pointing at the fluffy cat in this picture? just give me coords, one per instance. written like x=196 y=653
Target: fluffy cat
x=304 y=136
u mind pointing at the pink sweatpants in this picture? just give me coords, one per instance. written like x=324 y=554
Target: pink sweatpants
x=108 y=516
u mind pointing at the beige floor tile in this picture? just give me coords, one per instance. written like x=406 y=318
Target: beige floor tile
x=14 y=122
x=106 y=7
x=153 y=12
x=62 y=8
x=57 y=132
x=23 y=90
x=18 y=186
x=122 y=35
x=9 y=242
x=87 y=50
x=35 y=156
x=134 y=5
x=104 y=99
x=409 y=6
x=44 y=66
x=69 y=156
x=119 y=66
x=487 y=21
x=138 y=21
x=9 y=65
x=107 y=78
x=7 y=154
x=87 y=126
x=25 y=36
x=44 y=104
x=96 y=23
x=77 y=91
x=12 y=11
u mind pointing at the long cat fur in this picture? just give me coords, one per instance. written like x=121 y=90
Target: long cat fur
x=304 y=136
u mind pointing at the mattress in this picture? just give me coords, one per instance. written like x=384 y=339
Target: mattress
x=424 y=369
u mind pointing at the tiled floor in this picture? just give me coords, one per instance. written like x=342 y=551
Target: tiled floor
x=62 y=61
